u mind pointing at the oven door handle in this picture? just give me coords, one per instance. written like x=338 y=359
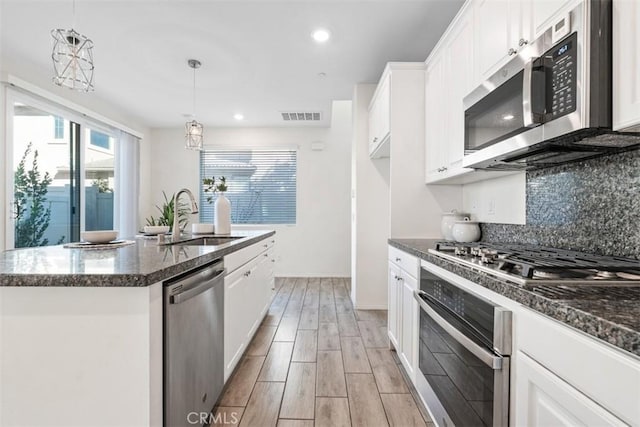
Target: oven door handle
x=487 y=357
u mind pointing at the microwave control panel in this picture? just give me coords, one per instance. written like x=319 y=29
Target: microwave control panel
x=562 y=60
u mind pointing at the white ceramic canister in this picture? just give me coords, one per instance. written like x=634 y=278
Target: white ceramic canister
x=222 y=215
x=448 y=219
x=466 y=231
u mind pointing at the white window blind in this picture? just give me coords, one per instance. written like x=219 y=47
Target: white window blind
x=261 y=184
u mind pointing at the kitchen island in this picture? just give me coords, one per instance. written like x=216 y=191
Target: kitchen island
x=81 y=330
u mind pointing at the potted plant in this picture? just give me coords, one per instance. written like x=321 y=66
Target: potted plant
x=222 y=205
x=166 y=213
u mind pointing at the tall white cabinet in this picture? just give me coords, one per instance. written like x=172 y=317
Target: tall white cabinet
x=389 y=196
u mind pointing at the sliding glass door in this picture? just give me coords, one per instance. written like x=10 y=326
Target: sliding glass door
x=45 y=175
x=63 y=175
x=99 y=179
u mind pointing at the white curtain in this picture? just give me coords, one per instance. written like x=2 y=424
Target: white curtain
x=128 y=184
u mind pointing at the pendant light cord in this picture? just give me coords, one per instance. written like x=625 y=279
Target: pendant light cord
x=194 y=92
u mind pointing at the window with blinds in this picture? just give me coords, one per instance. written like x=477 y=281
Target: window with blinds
x=261 y=184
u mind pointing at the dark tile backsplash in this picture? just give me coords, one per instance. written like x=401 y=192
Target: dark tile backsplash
x=591 y=206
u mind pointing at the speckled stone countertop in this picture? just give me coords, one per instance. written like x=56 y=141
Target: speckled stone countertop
x=141 y=264
x=610 y=314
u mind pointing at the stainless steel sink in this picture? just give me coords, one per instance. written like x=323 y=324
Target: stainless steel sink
x=207 y=241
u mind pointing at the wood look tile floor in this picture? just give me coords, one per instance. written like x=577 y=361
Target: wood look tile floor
x=315 y=361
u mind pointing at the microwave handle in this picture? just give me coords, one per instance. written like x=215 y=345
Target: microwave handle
x=527 y=101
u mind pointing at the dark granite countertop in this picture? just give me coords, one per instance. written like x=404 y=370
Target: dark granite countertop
x=611 y=314
x=141 y=264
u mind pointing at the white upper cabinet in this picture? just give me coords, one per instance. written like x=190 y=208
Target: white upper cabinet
x=626 y=65
x=449 y=78
x=379 y=120
x=435 y=118
x=545 y=12
x=459 y=74
x=502 y=28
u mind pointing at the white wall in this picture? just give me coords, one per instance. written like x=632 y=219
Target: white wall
x=500 y=200
x=318 y=245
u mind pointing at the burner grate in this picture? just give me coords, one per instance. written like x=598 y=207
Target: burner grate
x=525 y=260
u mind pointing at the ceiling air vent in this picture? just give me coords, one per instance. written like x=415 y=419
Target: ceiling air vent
x=301 y=117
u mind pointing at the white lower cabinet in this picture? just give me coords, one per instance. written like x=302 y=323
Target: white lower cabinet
x=249 y=288
x=403 y=308
x=564 y=377
x=393 y=309
x=410 y=324
x=544 y=399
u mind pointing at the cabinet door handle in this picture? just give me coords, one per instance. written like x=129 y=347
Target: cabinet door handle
x=522 y=42
x=398 y=259
x=266 y=255
x=444 y=168
x=512 y=51
x=375 y=139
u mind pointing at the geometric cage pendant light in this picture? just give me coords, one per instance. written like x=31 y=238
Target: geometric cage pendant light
x=194 y=130
x=72 y=57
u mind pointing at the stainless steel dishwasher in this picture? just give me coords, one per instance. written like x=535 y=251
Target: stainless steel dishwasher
x=193 y=344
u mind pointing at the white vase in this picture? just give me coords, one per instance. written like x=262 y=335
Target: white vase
x=222 y=220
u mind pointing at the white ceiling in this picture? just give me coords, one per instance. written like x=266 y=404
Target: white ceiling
x=257 y=56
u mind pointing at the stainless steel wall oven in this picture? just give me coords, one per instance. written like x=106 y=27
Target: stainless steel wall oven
x=464 y=348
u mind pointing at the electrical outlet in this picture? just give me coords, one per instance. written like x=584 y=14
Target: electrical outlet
x=492 y=207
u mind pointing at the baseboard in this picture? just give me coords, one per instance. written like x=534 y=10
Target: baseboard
x=311 y=276
x=370 y=307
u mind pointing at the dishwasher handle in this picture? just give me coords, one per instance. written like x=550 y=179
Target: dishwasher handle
x=207 y=280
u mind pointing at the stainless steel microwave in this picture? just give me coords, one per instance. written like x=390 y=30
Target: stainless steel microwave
x=551 y=103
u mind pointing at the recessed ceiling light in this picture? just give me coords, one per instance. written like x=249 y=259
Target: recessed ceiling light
x=238 y=116
x=321 y=35
x=507 y=117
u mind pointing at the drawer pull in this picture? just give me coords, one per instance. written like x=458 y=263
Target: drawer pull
x=398 y=259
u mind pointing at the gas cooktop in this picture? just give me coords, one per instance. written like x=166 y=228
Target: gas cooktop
x=536 y=265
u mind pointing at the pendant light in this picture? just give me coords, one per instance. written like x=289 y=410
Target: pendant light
x=72 y=58
x=194 y=136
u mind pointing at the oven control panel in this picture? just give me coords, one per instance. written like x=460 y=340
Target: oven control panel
x=449 y=297
x=562 y=77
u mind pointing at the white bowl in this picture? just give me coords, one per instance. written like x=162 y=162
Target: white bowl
x=156 y=229
x=202 y=228
x=101 y=236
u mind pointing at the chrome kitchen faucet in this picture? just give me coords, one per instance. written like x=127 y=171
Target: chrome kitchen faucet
x=194 y=209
